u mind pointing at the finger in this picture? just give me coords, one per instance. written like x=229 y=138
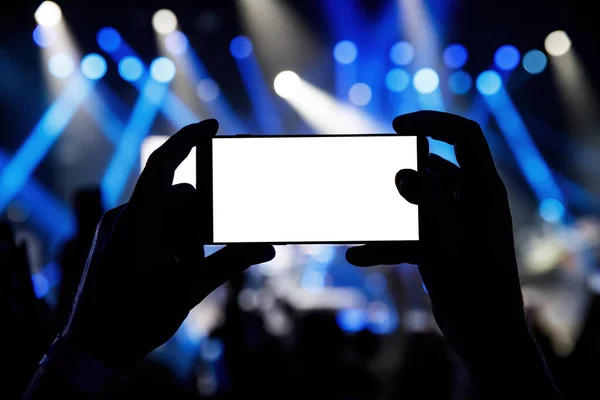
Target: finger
x=407 y=183
x=449 y=175
x=373 y=254
x=472 y=151
x=157 y=176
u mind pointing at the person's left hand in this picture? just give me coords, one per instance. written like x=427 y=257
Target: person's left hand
x=146 y=269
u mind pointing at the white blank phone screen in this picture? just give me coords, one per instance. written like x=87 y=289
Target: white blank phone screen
x=312 y=189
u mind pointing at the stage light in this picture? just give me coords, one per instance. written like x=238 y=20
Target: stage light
x=376 y=283
x=131 y=68
x=44 y=37
x=286 y=84
x=345 y=52
x=176 y=43
x=488 y=83
x=455 y=56
x=240 y=47
x=164 y=21
x=360 y=94
x=61 y=65
x=48 y=14
x=397 y=80
x=507 y=57
x=552 y=210
x=426 y=80
x=109 y=39
x=557 y=43
x=535 y=62
x=402 y=53
x=313 y=280
x=93 y=66
x=207 y=90
x=162 y=70
x=351 y=320
x=460 y=82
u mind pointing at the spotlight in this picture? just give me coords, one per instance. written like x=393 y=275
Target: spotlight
x=557 y=43
x=131 y=68
x=488 y=83
x=552 y=210
x=360 y=94
x=240 y=47
x=426 y=80
x=61 y=65
x=108 y=39
x=402 y=53
x=176 y=43
x=48 y=14
x=93 y=66
x=44 y=37
x=455 y=56
x=286 y=84
x=207 y=90
x=507 y=57
x=164 y=21
x=162 y=70
x=345 y=52
x=460 y=82
x=397 y=80
x=534 y=62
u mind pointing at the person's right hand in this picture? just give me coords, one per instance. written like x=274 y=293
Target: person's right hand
x=465 y=253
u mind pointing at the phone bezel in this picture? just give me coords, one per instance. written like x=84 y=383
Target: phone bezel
x=204 y=180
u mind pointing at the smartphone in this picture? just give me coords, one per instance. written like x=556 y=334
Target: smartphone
x=307 y=189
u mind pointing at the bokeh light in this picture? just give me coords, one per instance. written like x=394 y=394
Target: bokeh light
x=162 y=70
x=48 y=14
x=552 y=210
x=507 y=57
x=345 y=52
x=455 y=56
x=109 y=39
x=93 y=66
x=240 y=47
x=488 y=83
x=164 y=21
x=207 y=90
x=286 y=84
x=351 y=320
x=535 y=62
x=131 y=68
x=61 y=65
x=360 y=94
x=557 y=43
x=460 y=82
x=402 y=53
x=426 y=80
x=397 y=80
x=44 y=37
x=176 y=43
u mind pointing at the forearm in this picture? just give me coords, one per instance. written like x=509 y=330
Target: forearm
x=46 y=384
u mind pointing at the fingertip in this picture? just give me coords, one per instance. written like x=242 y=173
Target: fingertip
x=358 y=257
x=408 y=185
x=211 y=125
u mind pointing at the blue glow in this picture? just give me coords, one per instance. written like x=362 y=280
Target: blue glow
x=345 y=52
x=426 y=80
x=376 y=283
x=131 y=68
x=455 y=56
x=313 y=280
x=61 y=65
x=488 y=83
x=44 y=36
x=424 y=288
x=93 y=66
x=176 y=43
x=211 y=349
x=552 y=210
x=402 y=53
x=240 y=47
x=383 y=322
x=41 y=139
x=460 y=82
x=507 y=57
x=207 y=90
x=351 y=320
x=397 y=80
x=127 y=151
x=162 y=70
x=40 y=285
x=109 y=39
x=360 y=94
x=535 y=62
